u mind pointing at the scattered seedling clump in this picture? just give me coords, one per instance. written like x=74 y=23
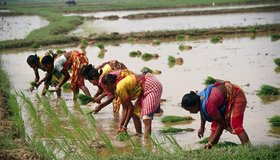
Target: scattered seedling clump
x=275 y=121
x=148 y=70
x=277 y=61
x=183 y=47
x=267 y=90
x=175 y=130
x=172 y=61
x=148 y=56
x=217 y=39
x=275 y=37
x=135 y=54
x=156 y=42
x=169 y=119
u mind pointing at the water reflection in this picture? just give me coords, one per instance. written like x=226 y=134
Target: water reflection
x=18 y=27
x=91 y=27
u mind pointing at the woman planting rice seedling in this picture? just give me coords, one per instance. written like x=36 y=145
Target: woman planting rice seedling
x=143 y=87
x=223 y=104
x=50 y=78
x=94 y=76
x=76 y=60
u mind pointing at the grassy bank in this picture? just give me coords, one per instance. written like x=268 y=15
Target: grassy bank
x=59 y=26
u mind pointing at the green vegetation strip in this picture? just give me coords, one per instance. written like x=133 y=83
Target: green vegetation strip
x=175 y=130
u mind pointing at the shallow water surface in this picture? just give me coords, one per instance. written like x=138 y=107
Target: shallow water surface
x=18 y=27
x=244 y=61
x=129 y=12
x=90 y=27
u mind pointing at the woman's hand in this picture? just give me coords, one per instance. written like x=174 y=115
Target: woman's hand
x=96 y=110
x=122 y=129
x=57 y=88
x=208 y=145
x=201 y=132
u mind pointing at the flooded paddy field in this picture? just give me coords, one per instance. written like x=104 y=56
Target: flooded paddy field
x=91 y=27
x=244 y=61
x=18 y=27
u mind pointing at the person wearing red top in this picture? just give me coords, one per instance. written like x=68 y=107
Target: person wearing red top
x=223 y=104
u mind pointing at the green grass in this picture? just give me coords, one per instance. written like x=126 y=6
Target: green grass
x=275 y=121
x=267 y=90
x=168 y=119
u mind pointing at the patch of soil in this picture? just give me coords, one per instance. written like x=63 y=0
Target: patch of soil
x=22 y=152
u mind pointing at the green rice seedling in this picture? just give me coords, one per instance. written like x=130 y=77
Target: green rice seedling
x=175 y=130
x=277 y=61
x=171 y=59
x=180 y=37
x=84 y=43
x=101 y=53
x=175 y=145
x=147 y=56
x=16 y=116
x=146 y=70
x=275 y=37
x=66 y=85
x=100 y=45
x=210 y=80
x=33 y=84
x=204 y=140
x=156 y=42
x=253 y=30
x=158 y=145
x=108 y=143
x=267 y=90
x=217 y=39
x=168 y=119
x=84 y=99
x=183 y=47
x=135 y=54
x=123 y=136
x=275 y=121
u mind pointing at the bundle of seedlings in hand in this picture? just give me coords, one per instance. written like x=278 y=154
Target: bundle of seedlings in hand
x=100 y=45
x=267 y=90
x=84 y=99
x=33 y=84
x=210 y=80
x=122 y=136
x=175 y=119
x=175 y=130
x=84 y=43
x=66 y=85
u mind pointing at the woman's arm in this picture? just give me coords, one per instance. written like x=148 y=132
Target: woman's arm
x=202 y=126
x=37 y=76
x=214 y=138
x=104 y=104
x=47 y=76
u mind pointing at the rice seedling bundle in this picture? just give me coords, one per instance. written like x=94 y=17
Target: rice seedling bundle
x=217 y=39
x=210 y=80
x=147 y=56
x=277 y=61
x=135 y=54
x=122 y=136
x=100 y=45
x=175 y=130
x=275 y=121
x=66 y=85
x=267 y=90
x=84 y=99
x=168 y=119
x=156 y=42
x=33 y=84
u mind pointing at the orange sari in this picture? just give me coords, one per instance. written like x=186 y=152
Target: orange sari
x=77 y=60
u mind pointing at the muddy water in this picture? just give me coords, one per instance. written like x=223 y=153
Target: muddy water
x=176 y=23
x=128 y=12
x=244 y=61
x=18 y=27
